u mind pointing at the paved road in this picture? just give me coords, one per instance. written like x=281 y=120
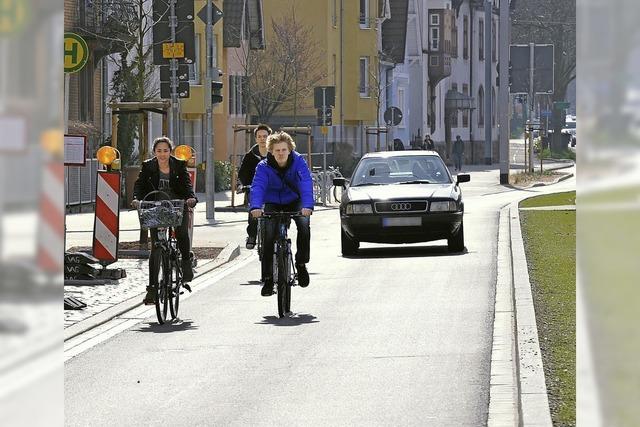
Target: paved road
x=397 y=335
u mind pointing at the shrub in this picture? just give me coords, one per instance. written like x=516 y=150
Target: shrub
x=222 y=175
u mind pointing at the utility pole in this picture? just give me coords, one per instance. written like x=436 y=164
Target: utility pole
x=210 y=172
x=488 y=124
x=530 y=103
x=324 y=147
x=503 y=91
x=173 y=67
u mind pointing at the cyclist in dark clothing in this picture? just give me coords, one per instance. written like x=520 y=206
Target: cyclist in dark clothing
x=283 y=183
x=166 y=173
x=248 y=169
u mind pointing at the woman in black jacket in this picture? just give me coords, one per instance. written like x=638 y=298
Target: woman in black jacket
x=166 y=173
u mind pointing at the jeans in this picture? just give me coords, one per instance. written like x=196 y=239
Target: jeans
x=182 y=236
x=303 y=241
x=458 y=160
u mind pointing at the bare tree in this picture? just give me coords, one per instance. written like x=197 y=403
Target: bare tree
x=283 y=74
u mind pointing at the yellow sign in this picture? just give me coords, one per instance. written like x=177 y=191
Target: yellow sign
x=324 y=129
x=76 y=53
x=13 y=15
x=173 y=50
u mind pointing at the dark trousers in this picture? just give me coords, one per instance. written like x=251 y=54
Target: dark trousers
x=458 y=160
x=303 y=242
x=252 y=223
x=182 y=236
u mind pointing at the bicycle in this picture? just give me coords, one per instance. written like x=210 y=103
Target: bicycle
x=284 y=269
x=165 y=257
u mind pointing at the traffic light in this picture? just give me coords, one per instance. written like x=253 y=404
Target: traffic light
x=216 y=87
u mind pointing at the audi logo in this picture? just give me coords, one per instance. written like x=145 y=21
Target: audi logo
x=400 y=206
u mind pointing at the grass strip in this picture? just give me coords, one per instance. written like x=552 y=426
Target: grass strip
x=556 y=199
x=550 y=246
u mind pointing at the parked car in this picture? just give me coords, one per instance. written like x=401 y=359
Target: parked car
x=572 y=133
x=401 y=197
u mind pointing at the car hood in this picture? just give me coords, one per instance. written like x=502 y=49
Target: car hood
x=403 y=191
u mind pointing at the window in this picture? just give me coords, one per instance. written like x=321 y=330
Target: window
x=481 y=40
x=236 y=95
x=434 y=19
x=194 y=68
x=465 y=113
x=434 y=61
x=493 y=41
x=454 y=113
x=401 y=103
x=364 y=76
x=465 y=37
x=493 y=106
x=454 y=40
x=435 y=38
x=481 y=106
x=192 y=133
x=364 y=13
x=334 y=18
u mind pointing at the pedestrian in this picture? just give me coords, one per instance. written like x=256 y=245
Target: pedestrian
x=458 y=152
x=166 y=173
x=428 y=143
x=398 y=145
x=257 y=153
x=282 y=183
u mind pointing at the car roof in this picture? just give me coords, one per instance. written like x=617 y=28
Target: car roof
x=404 y=153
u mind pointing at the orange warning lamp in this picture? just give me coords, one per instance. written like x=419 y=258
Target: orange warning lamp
x=51 y=141
x=107 y=155
x=183 y=152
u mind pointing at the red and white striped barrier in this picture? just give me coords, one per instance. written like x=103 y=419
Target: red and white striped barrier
x=106 y=226
x=51 y=219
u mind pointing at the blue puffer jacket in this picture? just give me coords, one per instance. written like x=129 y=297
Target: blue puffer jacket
x=282 y=186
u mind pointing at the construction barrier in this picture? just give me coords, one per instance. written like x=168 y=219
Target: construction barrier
x=106 y=227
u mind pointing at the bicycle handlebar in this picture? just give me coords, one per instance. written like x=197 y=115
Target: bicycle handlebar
x=281 y=214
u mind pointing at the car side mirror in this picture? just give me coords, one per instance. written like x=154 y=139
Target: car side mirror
x=339 y=182
x=463 y=177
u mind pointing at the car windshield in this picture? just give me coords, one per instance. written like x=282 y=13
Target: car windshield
x=400 y=170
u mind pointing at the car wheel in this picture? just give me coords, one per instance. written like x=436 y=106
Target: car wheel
x=456 y=242
x=349 y=246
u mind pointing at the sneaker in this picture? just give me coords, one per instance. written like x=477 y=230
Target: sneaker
x=267 y=289
x=187 y=271
x=251 y=242
x=150 y=297
x=303 y=275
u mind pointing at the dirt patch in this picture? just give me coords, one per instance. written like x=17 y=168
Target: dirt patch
x=527 y=179
x=202 y=252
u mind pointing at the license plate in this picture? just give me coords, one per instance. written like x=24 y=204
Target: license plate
x=411 y=221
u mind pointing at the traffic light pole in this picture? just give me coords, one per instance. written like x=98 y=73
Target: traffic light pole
x=488 y=122
x=173 y=67
x=210 y=171
x=324 y=147
x=530 y=103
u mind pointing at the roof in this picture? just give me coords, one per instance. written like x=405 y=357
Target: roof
x=394 y=31
x=403 y=153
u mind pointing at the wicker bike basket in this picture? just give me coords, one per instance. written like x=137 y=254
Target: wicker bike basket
x=160 y=213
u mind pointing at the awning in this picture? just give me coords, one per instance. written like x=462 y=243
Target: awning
x=455 y=100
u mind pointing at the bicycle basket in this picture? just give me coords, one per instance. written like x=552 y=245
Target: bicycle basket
x=161 y=213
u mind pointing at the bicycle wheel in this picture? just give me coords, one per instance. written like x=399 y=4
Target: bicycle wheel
x=284 y=290
x=175 y=281
x=163 y=276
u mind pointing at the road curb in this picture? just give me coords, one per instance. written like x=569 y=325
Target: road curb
x=532 y=393
x=555 y=181
x=228 y=253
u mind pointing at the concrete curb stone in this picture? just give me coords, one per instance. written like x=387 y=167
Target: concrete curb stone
x=230 y=252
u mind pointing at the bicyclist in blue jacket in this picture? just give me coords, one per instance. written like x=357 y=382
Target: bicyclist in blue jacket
x=282 y=183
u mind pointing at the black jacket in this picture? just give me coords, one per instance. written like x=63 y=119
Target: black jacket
x=149 y=179
x=248 y=165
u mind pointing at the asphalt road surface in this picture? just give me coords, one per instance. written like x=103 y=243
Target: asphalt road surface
x=398 y=335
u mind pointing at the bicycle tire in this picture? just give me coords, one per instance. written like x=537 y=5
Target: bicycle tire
x=175 y=281
x=284 y=291
x=162 y=290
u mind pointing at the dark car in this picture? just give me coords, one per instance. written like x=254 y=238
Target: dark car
x=401 y=197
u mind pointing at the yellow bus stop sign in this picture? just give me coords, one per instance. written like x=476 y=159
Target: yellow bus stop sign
x=76 y=52
x=13 y=15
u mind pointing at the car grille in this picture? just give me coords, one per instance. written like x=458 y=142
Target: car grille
x=401 y=206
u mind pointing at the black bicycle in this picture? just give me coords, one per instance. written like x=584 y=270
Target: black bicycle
x=164 y=215
x=284 y=269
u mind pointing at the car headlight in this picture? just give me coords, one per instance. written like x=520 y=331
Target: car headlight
x=359 y=208
x=445 y=206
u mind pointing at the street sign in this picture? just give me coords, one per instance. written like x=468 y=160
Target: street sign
x=546 y=113
x=324 y=130
x=13 y=15
x=76 y=53
x=75 y=149
x=559 y=105
x=543 y=68
x=185 y=33
x=162 y=9
x=217 y=14
x=165 y=90
x=520 y=66
x=172 y=50
x=392 y=116
x=329 y=96
x=182 y=73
